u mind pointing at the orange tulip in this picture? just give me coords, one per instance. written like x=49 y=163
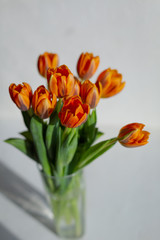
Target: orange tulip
x=60 y=81
x=73 y=113
x=43 y=102
x=90 y=93
x=111 y=82
x=87 y=65
x=21 y=95
x=45 y=61
x=132 y=135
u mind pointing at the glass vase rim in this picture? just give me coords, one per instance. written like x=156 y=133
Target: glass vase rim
x=53 y=177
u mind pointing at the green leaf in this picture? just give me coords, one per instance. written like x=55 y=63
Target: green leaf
x=87 y=135
x=99 y=134
x=51 y=137
x=36 y=127
x=24 y=146
x=92 y=119
x=27 y=115
x=68 y=145
x=94 y=152
x=27 y=135
x=89 y=131
x=58 y=106
x=59 y=160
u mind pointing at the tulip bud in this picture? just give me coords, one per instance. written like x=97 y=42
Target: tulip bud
x=45 y=61
x=111 y=82
x=60 y=81
x=87 y=65
x=21 y=95
x=73 y=113
x=132 y=135
x=90 y=93
x=43 y=102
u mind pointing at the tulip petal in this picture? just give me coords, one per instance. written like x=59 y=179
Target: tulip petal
x=81 y=120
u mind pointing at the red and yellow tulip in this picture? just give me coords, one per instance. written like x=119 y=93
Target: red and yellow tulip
x=60 y=81
x=43 y=102
x=45 y=61
x=132 y=135
x=111 y=82
x=21 y=95
x=87 y=65
x=73 y=113
x=90 y=93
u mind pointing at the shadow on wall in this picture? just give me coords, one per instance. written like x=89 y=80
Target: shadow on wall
x=25 y=196
x=6 y=234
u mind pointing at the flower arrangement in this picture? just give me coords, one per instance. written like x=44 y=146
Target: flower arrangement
x=61 y=124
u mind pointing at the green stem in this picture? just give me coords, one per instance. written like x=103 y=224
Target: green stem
x=67 y=210
x=77 y=216
x=27 y=115
x=64 y=133
x=59 y=105
x=66 y=170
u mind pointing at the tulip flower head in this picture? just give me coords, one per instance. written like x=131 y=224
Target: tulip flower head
x=87 y=65
x=21 y=95
x=45 y=61
x=90 y=93
x=132 y=135
x=43 y=102
x=73 y=113
x=111 y=82
x=60 y=81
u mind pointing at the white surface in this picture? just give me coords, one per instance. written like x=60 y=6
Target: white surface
x=123 y=192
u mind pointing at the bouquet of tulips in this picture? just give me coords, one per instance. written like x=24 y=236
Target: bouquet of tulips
x=61 y=119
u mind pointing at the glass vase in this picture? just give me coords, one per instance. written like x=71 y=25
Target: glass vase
x=66 y=197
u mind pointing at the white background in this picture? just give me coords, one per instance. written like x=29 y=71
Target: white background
x=126 y=36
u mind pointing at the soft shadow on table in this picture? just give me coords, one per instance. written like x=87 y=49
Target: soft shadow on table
x=25 y=196
x=6 y=234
